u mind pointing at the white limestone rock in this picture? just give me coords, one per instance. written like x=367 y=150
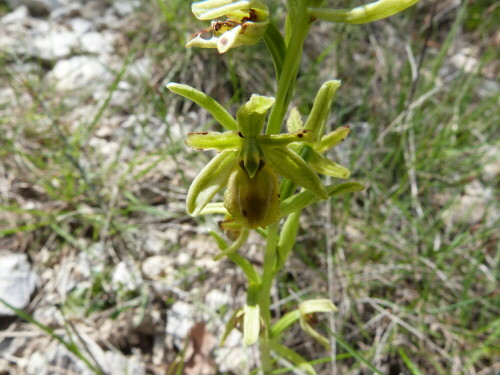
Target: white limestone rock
x=17 y=281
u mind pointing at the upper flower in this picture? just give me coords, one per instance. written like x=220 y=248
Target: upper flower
x=234 y=23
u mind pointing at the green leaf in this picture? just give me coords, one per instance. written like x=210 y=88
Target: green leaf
x=290 y=165
x=203 y=100
x=321 y=108
x=327 y=167
x=252 y=114
x=276 y=46
x=231 y=324
x=287 y=237
x=293 y=357
x=362 y=14
x=411 y=366
x=209 y=181
x=306 y=198
x=355 y=353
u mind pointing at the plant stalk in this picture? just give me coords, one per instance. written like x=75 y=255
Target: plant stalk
x=265 y=296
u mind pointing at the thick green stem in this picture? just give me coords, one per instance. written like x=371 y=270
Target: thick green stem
x=290 y=69
x=265 y=296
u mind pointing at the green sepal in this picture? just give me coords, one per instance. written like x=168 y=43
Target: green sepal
x=321 y=108
x=303 y=199
x=364 y=13
x=289 y=165
x=209 y=181
x=333 y=138
x=294 y=122
x=251 y=324
x=214 y=140
x=293 y=357
x=284 y=139
x=251 y=115
x=203 y=100
x=327 y=167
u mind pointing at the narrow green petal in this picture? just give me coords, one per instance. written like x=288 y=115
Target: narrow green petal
x=327 y=167
x=214 y=140
x=321 y=108
x=203 y=100
x=283 y=139
x=209 y=181
x=364 y=13
x=333 y=139
x=252 y=114
x=289 y=165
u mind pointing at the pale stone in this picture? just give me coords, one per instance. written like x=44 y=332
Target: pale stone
x=17 y=281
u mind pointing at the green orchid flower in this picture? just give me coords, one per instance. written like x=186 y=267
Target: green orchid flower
x=235 y=23
x=248 y=162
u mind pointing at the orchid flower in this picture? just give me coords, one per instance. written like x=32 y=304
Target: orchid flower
x=248 y=162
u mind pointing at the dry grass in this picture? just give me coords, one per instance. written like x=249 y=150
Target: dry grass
x=92 y=189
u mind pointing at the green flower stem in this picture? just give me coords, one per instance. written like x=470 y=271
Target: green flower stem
x=291 y=65
x=268 y=274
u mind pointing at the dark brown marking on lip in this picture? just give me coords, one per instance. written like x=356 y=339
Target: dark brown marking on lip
x=241 y=135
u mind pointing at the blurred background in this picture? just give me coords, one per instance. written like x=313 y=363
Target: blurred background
x=108 y=274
